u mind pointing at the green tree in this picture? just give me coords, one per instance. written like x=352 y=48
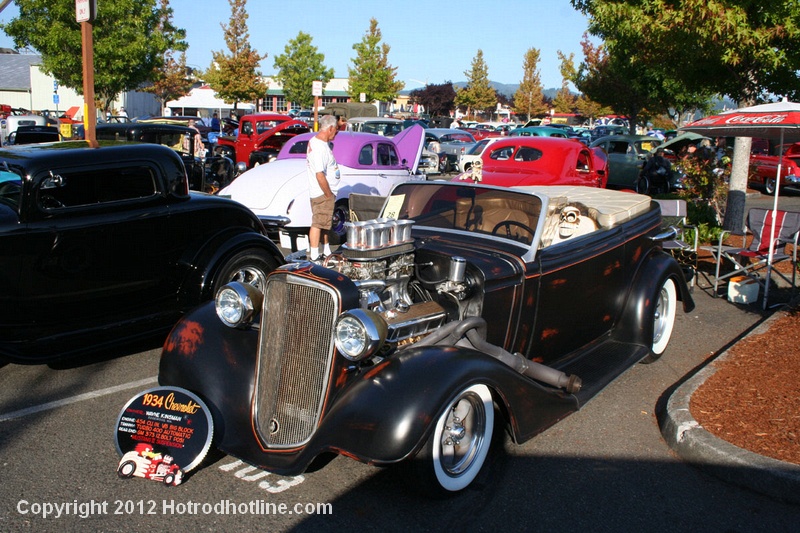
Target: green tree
x=170 y=80
x=744 y=49
x=235 y=76
x=371 y=72
x=564 y=102
x=298 y=67
x=529 y=98
x=614 y=82
x=478 y=95
x=130 y=38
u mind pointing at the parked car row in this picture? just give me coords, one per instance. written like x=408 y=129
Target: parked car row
x=436 y=326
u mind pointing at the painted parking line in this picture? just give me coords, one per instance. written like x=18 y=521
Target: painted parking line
x=74 y=399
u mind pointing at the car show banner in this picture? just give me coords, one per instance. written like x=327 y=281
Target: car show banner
x=162 y=433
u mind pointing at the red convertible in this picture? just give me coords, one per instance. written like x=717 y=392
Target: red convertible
x=540 y=161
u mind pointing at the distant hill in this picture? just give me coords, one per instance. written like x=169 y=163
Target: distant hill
x=507 y=89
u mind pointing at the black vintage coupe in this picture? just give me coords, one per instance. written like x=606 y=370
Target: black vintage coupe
x=465 y=309
x=105 y=244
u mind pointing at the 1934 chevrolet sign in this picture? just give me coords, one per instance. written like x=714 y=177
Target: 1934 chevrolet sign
x=169 y=420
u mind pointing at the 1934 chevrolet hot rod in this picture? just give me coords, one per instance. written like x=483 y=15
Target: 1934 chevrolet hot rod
x=472 y=307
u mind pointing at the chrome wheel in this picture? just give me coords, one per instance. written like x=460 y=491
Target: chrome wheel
x=250 y=266
x=769 y=185
x=250 y=275
x=341 y=215
x=663 y=318
x=461 y=439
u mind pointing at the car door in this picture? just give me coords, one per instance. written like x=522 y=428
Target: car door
x=98 y=249
x=623 y=162
x=580 y=284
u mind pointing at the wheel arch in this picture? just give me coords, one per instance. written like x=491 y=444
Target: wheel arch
x=209 y=260
x=635 y=324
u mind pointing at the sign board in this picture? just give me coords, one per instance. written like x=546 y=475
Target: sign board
x=316 y=88
x=85 y=10
x=362 y=97
x=55 y=98
x=162 y=433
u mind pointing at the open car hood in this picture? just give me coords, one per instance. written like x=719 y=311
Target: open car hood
x=294 y=126
x=409 y=145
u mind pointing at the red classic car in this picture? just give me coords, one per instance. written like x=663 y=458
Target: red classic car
x=260 y=138
x=540 y=161
x=764 y=169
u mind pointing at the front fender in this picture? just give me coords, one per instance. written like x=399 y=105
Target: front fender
x=381 y=416
x=386 y=415
x=207 y=261
x=636 y=324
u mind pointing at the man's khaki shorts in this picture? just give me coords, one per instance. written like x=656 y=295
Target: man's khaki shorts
x=322 y=212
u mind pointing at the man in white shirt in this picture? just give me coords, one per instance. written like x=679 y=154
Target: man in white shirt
x=323 y=182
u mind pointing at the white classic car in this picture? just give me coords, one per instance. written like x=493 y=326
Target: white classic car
x=368 y=163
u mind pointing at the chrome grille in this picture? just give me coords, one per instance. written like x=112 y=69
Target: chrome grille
x=295 y=353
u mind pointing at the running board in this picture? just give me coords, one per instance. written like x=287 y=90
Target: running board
x=602 y=364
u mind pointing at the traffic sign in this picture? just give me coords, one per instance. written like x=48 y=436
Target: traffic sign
x=316 y=88
x=85 y=10
x=55 y=98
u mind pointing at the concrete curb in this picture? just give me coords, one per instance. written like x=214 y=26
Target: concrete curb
x=695 y=445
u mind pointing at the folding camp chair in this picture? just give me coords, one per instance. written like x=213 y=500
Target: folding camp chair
x=751 y=261
x=673 y=214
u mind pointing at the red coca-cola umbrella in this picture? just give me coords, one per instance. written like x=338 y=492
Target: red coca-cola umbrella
x=777 y=121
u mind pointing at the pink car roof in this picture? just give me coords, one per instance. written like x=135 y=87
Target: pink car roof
x=347 y=146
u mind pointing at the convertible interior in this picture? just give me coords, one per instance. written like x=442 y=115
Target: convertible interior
x=570 y=211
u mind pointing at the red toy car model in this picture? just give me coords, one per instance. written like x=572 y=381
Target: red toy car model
x=540 y=161
x=144 y=462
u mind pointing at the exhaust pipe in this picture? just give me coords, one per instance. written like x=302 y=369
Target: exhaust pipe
x=473 y=329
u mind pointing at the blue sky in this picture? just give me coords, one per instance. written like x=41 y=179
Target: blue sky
x=431 y=42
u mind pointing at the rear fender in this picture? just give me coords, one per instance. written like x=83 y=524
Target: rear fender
x=636 y=324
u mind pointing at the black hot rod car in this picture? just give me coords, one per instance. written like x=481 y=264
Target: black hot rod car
x=101 y=245
x=464 y=306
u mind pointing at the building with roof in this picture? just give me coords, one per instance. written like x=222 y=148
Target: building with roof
x=23 y=84
x=335 y=91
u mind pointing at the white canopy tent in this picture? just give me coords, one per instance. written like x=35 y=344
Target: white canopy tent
x=203 y=99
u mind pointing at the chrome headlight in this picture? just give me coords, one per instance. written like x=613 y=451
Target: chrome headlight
x=359 y=333
x=237 y=304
